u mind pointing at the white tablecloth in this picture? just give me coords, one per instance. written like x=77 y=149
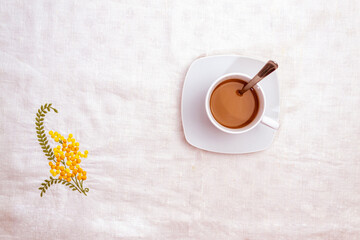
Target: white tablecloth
x=114 y=70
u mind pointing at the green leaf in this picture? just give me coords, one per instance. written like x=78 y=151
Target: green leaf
x=49 y=105
x=42 y=107
x=74 y=189
x=55 y=110
x=63 y=183
x=45 y=105
x=38 y=124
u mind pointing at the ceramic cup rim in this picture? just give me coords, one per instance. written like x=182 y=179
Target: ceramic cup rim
x=262 y=104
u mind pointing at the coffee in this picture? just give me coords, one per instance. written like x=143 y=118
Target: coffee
x=231 y=109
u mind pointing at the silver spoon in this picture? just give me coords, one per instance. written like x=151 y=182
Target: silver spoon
x=268 y=68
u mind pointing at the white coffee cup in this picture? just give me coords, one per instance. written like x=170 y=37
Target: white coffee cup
x=260 y=117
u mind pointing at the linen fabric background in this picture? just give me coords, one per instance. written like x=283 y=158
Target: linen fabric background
x=115 y=68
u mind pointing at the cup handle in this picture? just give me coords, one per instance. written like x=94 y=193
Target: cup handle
x=270 y=122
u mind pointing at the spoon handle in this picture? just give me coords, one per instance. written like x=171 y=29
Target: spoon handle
x=268 y=68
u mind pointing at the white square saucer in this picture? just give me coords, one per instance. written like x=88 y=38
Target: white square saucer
x=198 y=129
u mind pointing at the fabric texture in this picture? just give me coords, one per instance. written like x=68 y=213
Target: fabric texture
x=114 y=70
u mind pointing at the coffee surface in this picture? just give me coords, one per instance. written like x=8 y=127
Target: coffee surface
x=231 y=109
